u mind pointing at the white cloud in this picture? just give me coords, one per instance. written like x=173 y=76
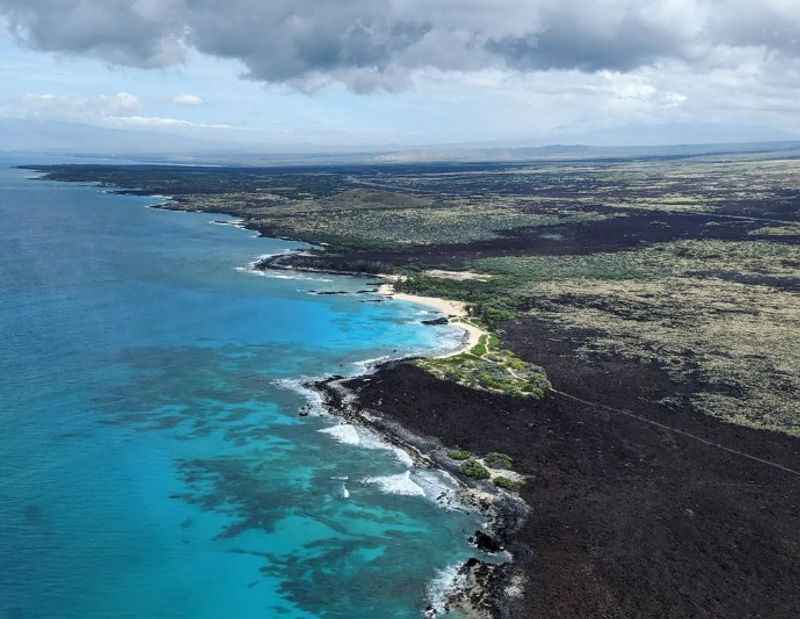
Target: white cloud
x=162 y=122
x=118 y=110
x=186 y=99
x=65 y=107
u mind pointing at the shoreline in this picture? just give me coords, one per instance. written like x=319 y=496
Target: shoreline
x=478 y=587
x=455 y=312
x=475 y=590
x=609 y=456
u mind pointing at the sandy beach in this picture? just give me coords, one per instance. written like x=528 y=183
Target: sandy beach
x=456 y=311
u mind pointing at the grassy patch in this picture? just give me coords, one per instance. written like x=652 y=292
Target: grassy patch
x=721 y=314
x=459 y=454
x=790 y=230
x=491 y=369
x=475 y=470
x=391 y=219
x=507 y=484
x=499 y=460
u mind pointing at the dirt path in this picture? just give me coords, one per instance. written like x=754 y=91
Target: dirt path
x=700 y=439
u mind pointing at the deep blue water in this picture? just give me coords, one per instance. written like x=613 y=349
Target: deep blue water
x=151 y=466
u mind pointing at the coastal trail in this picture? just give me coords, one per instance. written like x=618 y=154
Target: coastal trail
x=689 y=435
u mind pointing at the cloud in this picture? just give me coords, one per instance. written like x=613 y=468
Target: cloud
x=613 y=37
x=139 y=33
x=76 y=108
x=119 y=110
x=373 y=45
x=187 y=100
x=162 y=122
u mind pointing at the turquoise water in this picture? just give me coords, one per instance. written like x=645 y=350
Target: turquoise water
x=152 y=461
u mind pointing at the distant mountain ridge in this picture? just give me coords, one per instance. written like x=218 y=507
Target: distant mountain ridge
x=25 y=136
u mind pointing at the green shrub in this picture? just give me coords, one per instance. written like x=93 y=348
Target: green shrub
x=480 y=348
x=538 y=386
x=507 y=484
x=499 y=460
x=475 y=470
x=494 y=314
x=459 y=454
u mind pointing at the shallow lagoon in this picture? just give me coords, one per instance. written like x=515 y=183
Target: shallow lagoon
x=152 y=461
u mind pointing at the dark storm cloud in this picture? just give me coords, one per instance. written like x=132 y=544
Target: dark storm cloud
x=561 y=41
x=283 y=41
x=370 y=44
x=774 y=26
x=113 y=30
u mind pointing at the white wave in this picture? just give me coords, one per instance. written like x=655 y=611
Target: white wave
x=402 y=455
x=401 y=484
x=314 y=403
x=447 y=581
x=449 y=338
x=440 y=487
x=235 y=223
x=251 y=266
x=161 y=202
x=252 y=269
x=365 y=438
x=343 y=433
x=345 y=491
x=368 y=365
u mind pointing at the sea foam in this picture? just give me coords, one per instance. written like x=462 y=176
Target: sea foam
x=401 y=484
x=446 y=582
x=343 y=433
x=349 y=434
x=314 y=402
x=252 y=269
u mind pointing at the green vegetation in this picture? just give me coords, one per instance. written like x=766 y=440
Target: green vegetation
x=370 y=218
x=507 y=484
x=491 y=369
x=790 y=230
x=499 y=460
x=489 y=301
x=475 y=470
x=692 y=265
x=480 y=348
x=722 y=312
x=459 y=454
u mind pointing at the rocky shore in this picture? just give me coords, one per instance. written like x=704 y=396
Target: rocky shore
x=626 y=518
x=482 y=587
x=656 y=513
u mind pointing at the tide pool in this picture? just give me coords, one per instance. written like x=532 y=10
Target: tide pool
x=152 y=460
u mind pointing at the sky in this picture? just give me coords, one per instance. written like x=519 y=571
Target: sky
x=327 y=74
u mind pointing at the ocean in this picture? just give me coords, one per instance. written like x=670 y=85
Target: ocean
x=153 y=463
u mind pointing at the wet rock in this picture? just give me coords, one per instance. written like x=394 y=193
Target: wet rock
x=485 y=542
x=436 y=321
